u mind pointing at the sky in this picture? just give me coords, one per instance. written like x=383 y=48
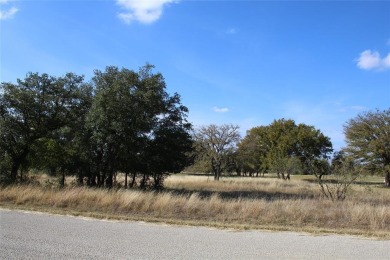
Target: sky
x=244 y=62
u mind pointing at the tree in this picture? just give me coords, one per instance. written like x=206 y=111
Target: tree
x=169 y=146
x=311 y=146
x=281 y=135
x=136 y=127
x=285 y=166
x=36 y=108
x=216 y=143
x=368 y=141
x=286 y=147
x=112 y=122
x=252 y=151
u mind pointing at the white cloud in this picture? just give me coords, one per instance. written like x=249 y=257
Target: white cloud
x=371 y=60
x=386 y=61
x=7 y=13
x=143 y=11
x=220 y=110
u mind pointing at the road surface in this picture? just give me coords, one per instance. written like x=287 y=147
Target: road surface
x=28 y=235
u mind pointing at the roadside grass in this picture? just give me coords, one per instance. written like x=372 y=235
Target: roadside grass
x=238 y=203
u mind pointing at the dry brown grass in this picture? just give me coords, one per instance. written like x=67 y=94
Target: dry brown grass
x=245 y=203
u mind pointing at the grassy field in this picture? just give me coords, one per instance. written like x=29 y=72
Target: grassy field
x=237 y=203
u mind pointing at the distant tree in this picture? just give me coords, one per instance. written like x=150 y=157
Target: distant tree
x=280 y=145
x=281 y=135
x=312 y=146
x=338 y=158
x=252 y=151
x=368 y=141
x=286 y=166
x=36 y=108
x=215 y=144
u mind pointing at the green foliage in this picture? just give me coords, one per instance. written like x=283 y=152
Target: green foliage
x=136 y=126
x=36 y=108
x=283 y=147
x=286 y=166
x=368 y=141
x=252 y=151
x=124 y=121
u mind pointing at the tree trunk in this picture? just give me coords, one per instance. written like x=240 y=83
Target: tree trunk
x=143 y=182
x=387 y=178
x=126 y=173
x=215 y=171
x=14 y=171
x=133 y=180
x=16 y=163
x=22 y=170
x=109 y=180
x=114 y=179
x=92 y=179
x=216 y=175
x=62 y=181
x=80 y=180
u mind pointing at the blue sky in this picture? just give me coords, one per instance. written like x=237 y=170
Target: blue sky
x=242 y=62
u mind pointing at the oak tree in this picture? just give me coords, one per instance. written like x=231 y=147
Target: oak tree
x=215 y=144
x=368 y=141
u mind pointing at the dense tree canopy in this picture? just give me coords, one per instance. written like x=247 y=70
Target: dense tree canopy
x=123 y=121
x=283 y=147
x=368 y=141
x=38 y=107
x=252 y=151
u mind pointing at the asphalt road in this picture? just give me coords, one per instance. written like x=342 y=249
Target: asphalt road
x=28 y=235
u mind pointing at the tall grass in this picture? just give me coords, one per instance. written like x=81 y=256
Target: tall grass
x=242 y=203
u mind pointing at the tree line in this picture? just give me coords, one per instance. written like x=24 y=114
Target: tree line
x=282 y=147
x=285 y=148
x=121 y=121
x=125 y=121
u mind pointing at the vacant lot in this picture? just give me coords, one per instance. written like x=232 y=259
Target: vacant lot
x=241 y=203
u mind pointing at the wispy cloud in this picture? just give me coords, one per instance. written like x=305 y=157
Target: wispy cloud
x=7 y=12
x=220 y=110
x=231 y=31
x=359 y=108
x=145 y=12
x=372 y=60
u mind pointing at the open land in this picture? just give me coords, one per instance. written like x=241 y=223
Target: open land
x=234 y=203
